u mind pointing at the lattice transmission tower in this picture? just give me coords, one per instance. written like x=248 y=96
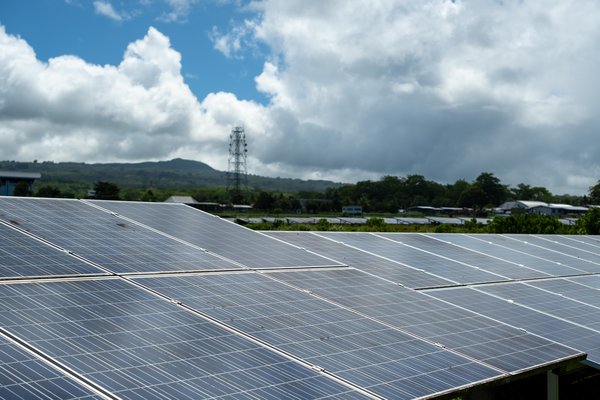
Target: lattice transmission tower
x=237 y=173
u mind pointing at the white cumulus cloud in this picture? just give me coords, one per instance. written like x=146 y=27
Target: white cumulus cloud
x=439 y=88
x=68 y=109
x=445 y=89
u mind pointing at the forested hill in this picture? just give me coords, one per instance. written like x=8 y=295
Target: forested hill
x=177 y=173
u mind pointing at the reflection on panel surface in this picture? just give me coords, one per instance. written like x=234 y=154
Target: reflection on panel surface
x=227 y=239
x=105 y=239
x=453 y=271
x=24 y=256
x=576 y=336
x=23 y=376
x=384 y=360
x=471 y=334
x=395 y=272
x=138 y=345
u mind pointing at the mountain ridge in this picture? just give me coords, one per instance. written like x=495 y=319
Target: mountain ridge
x=176 y=173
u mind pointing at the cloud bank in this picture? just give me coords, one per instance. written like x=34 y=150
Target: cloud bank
x=357 y=90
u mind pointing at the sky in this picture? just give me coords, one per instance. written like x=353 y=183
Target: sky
x=338 y=90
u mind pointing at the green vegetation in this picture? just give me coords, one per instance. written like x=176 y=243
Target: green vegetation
x=588 y=224
x=156 y=181
x=171 y=177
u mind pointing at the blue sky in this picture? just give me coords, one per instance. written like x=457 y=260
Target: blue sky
x=336 y=90
x=57 y=27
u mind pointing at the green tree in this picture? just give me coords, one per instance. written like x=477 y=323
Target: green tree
x=22 y=189
x=594 y=194
x=48 y=191
x=106 y=191
x=535 y=193
x=149 y=196
x=526 y=223
x=589 y=223
x=264 y=201
x=495 y=192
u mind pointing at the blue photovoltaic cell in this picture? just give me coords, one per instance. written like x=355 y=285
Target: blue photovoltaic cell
x=577 y=266
x=384 y=360
x=545 y=268
x=23 y=376
x=453 y=271
x=395 y=272
x=139 y=346
x=476 y=336
x=592 y=240
x=24 y=256
x=578 y=241
x=592 y=258
x=592 y=281
x=465 y=249
x=576 y=336
x=548 y=302
x=217 y=235
x=105 y=239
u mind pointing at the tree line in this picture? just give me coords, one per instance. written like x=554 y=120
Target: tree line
x=392 y=193
x=387 y=195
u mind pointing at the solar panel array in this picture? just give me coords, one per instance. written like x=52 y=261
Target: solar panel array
x=161 y=301
x=547 y=285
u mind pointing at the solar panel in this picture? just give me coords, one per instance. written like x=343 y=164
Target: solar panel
x=553 y=328
x=24 y=256
x=470 y=334
x=575 y=249
x=105 y=239
x=576 y=241
x=544 y=268
x=24 y=376
x=446 y=220
x=222 y=237
x=548 y=302
x=445 y=268
x=414 y=221
x=435 y=245
x=577 y=266
x=571 y=289
x=137 y=345
x=592 y=281
x=362 y=260
x=592 y=240
x=381 y=359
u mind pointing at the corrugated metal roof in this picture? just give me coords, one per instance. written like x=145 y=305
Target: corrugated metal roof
x=20 y=175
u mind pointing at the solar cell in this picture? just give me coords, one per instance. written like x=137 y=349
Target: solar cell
x=592 y=281
x=544 y=268
x=394 y=271
x=592 y=240
x=24 y=376
x=571 y=289
x=222 y=237
x=474 y=335
x=450 y=270
x=542 y=324
x=548 y=302
x=578 y=241
x=572 y=250
x=24 y=256
x=137 y=345
x=379 y=358
x=577 y=266
x=436 y=245
x=105 y=239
